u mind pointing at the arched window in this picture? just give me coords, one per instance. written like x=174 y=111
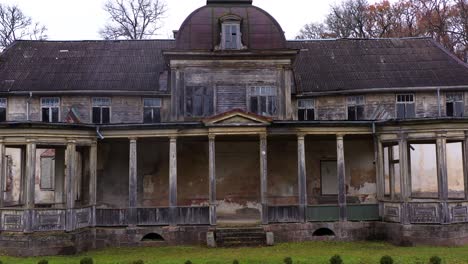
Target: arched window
x=231 y=35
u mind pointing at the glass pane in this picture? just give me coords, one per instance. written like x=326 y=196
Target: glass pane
x=459 y=109
x=3 y=102
x=55 y=115
x=351 y=113
x=310 y=114
x=105 y=115
x=152 y=102
x=156 y=115
x=456 y=182
x=301 y=115
x=254 y=105
x=45 y=115
x=50 y=101
x=386 y=170
x=96 y=115
x=272 y=105
x=306 y=103
x=449 y=109
x=263 y=105
x=360 y=112
x=423 y=160
x=101 y=101
x=197 y=105
x=188 y=101
x=2 y=114
x=148 y=115
x=400 y=111
x=410 y=111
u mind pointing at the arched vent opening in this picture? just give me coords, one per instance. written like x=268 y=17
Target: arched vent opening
x=323 y=232
x=152 y=237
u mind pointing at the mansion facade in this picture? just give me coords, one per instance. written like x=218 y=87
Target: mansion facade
x=231 y=126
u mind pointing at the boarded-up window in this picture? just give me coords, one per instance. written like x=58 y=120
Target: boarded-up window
x=306 y=109
x=3 y=109
x=231 y=36
x=101 y=110
x=230 y=97
x=356 y=108
x=329 y=178
x=455 y=105
x=47 y=173
x=152 y=110
x=424 y=181
x=456 y=182
x=405 y=106
x=198 y=101
x=50 y=109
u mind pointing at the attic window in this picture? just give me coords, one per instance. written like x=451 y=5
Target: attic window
x=454 y=104
x=231 y=36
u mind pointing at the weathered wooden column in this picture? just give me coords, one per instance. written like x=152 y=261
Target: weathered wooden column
x=380 y=175
x=465 y=163
x=70 y=181
x=93 y=181
x=132 y=183
x=341 y=171
x=405 y=181
x=302 y=177
x=212 y=179
x=29 y=186
x=442 y=176
x=173 y=180
x=2 y=172
x=263 y=178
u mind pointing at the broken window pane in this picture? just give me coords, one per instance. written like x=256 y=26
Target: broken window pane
x=198 y=101
x=263 y=100
x=456 y=182
x=50 y=109
x=454 y=104
x=423 y=159
x=305 y=111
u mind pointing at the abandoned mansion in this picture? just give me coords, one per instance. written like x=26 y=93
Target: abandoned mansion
x=230 y=130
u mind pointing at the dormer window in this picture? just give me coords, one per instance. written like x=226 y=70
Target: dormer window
x=231 y=36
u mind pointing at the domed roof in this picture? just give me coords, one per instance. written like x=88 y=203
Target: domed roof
x=201 y=30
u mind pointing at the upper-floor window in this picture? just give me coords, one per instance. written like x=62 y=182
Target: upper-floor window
x=50 y=108
x=101 y=110
x=152 y=110
x=198 y=101
x=405 y=106
x=306 y=109
x=3 y=109
x=231 y=36
x=355 y=107
x=263 y=100
x=454 y=104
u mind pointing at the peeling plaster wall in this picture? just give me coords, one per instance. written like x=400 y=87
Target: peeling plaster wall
x=81 y=104
x=16 y=108
x=282 y=171
x=112 y=174
x=153 y=173
x=331 y=108
x=238 y=179
x=360 y=170
x=13 y=181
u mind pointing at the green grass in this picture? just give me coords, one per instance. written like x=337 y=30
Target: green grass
x=309 y=252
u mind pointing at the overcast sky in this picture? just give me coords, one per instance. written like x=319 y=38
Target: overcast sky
x=82 y=19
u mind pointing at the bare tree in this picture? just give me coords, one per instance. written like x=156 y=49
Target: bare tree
x=315 y=31
x=14 y=25
x=133 y=19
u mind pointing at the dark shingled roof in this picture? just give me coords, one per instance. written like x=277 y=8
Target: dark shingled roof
x=351 y=64
x=83 y=66
x=136 y=66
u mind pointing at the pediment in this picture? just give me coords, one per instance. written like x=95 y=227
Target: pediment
x=237 y=118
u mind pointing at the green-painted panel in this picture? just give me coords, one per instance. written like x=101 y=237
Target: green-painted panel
x=325 y=213
x=363 y=212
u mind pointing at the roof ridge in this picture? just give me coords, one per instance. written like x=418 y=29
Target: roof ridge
x=445 y=50
x=368 y=39
x=94 y=40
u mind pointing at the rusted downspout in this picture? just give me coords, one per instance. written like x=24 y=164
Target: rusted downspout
x=28 y=103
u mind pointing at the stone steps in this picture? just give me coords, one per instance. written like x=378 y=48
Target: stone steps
x=240 y=237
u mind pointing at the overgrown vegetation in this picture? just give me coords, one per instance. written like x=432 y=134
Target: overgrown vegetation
x=435 y=260
x=336 y=260
x=287 y=260
x=301 y=253
x=386 y=260
x=87 y=260
x=43 y=261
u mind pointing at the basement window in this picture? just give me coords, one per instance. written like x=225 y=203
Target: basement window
x=263 y=100
x=3 y=109
x=152 y=110
x=405 y=106
x=306 y=109
x=50 y=109
x=454 y=104
x=101 y=110
x=356 y=108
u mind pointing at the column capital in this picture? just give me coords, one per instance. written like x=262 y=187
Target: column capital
x=71 y=141
x=340 y=136
x=211 y=137
x=173 y=139
x=31 y=140
x=441 y=134
x=133 y=139
x=263 y=136
x=301 y=136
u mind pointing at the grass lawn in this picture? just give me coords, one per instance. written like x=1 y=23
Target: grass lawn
x=309 y=252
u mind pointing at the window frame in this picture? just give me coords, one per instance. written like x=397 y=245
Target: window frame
x=101 y=106
x=50 y=107
x=52 y=180
x=207 y=93
x=259 y=92
x=152 y=109
x=305 y=108
x=4 y=105
x=405 y=103
x=356 y=102
x=449 y=98
x=229 y=24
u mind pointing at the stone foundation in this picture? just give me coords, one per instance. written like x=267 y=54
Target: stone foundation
x=57 y=243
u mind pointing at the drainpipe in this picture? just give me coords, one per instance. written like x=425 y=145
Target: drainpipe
x=98 y=133
x=438 y=102
x=28 y=103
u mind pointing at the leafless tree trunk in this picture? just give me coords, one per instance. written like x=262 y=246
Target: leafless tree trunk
x=14 y=25
x=133 y=19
